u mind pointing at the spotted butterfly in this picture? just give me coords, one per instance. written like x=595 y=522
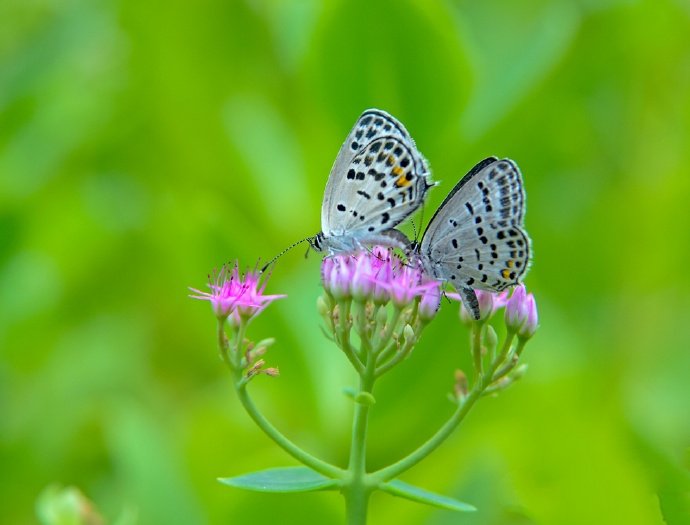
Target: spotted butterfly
x=476 y=240
x=378 y=179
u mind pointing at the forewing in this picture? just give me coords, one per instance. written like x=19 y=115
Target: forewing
x=382 y=186
x=371 y=127
x=476 y=238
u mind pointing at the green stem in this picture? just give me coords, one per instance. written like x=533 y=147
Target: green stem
x=343 y=333
x=402 y=354
x=520 y=346
x=477 y=348
x=288 y=446
x=481 y=383
x=381 y=342
x=362 y=322
x=356 y=506
x=223 y=343
x=394 y=470
x=512 y=361
x=358 y=488
x=239 y=382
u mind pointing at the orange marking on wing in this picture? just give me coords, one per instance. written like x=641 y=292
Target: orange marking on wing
x=402 y=182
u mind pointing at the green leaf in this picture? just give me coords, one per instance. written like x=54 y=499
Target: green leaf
x=405 y=490
x=281 y=479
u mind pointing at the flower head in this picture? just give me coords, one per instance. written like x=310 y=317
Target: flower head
x=236 y=296
x=378 y=276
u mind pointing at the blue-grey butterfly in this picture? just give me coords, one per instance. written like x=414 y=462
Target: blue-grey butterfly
x=476 y=240
x=378 y=180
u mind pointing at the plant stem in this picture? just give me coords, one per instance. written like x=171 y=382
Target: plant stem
x=481 y=383
x=283 y=442
x=477 y=348
x=343 y=332
x=380 y=343
x=394 y=470
x=239 y=382
x=358 y=489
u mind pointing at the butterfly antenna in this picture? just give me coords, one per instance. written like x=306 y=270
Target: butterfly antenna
x=269 y=263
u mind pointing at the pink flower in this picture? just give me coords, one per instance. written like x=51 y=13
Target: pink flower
x=531 y=324
x=406 y=284
x=235 y=295
x=430 y=302
x=336 y=274
x=378 y=276
x=363 y=278
x=521 y=313
x=516 y=312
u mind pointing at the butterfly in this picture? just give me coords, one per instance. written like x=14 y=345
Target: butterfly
x=378 y=179
x=476 y=240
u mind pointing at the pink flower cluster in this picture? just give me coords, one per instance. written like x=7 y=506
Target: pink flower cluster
x=380 y=276
x=521 y=309
x=236 y=296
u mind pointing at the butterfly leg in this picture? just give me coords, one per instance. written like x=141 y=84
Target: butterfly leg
x=469 y=299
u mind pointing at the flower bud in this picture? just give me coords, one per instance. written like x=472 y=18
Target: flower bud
x=516 y=312
x=362 y=278
x=429 y=303
x=326 y=270
x=465 y=316
x=383 y=276
x=460 y=388
x=382 y=317
x=340 y=278
x=531 y=323
x=486 y=304
x=322 y=307
x=408 y=333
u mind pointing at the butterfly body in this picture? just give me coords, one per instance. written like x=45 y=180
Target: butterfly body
x=378 y=179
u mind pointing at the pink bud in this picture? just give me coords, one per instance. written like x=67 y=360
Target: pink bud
x=362 y=278
x=486 y=303
x=515 y=309
x=341 y=278
x=530 y=325
x=326 y=271
x=430 y=302
x=382 y=279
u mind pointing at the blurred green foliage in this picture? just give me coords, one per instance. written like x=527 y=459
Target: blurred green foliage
x=144 y=143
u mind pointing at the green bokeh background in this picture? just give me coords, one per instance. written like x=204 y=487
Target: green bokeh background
x=144 y=143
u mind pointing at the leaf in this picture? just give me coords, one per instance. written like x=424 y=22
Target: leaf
x=281 y=479
x=405 y=490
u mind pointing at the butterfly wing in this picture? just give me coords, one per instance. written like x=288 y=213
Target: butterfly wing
x=377 y=180
x=476 y=238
